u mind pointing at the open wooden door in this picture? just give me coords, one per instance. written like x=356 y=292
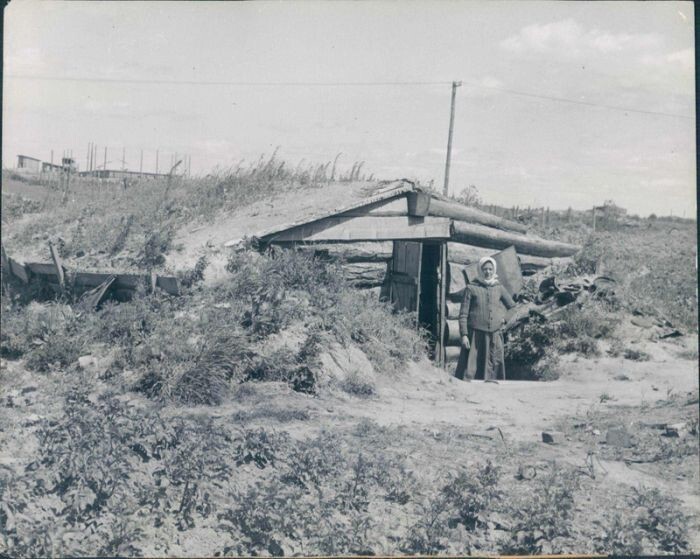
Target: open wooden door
x=442 y=302
x=405 y=275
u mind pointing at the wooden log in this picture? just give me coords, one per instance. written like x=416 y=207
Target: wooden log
x=539 y=262
x=453 y=210
x=379 y=251
x=466 y=254
x=452 y=309
x=452 y=354
x=488 y=237
x=457 y=279
x=452 y=337
x=365 y=274
x=58 y=265
x=368 y=228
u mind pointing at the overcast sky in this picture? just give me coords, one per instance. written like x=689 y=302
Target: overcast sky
x=512 y=140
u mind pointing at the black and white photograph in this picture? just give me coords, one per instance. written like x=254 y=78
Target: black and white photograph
x=349 y=278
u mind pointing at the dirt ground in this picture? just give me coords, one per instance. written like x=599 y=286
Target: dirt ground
x=439 y=422
x=436 y=421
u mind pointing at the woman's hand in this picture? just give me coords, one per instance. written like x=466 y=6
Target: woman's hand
x=465 y=342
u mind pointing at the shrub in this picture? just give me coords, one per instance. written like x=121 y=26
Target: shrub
x=47 y=334
x=591 y=320
x=196 y=274
x=660 y=518
x=285 y=286
x=428 y=535
x=543 y=516
x=259 y=447
x=528 y=346
x=14 y=206
x=636 y=355
x=357 y=384
x=619 y=536
x=311 y=462
x=471 y=494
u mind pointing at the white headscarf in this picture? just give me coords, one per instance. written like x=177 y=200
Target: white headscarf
x=494 y=279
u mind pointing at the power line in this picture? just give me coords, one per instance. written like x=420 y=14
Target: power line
x=578 y=102
x=345 y=84
x=231 y=83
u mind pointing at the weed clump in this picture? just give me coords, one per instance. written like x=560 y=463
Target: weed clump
x=543 y=517
x=651 y=521
x=472 y=494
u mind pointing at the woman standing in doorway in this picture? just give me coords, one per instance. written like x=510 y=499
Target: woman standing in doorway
x=481 y=319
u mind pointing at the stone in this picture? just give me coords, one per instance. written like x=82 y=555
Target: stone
x=94 y=364
x=676 y=430
x=642 y=321
x=552 y=437
x=618 y=436
x=87 y=361
x=31 y=419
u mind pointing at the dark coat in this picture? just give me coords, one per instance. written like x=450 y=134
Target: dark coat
x=484 y=307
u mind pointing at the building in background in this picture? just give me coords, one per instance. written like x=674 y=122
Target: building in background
x=27 y=163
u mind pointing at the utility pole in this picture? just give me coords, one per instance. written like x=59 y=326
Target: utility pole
x=123 y=158
x=455 y=85
x=104 y=165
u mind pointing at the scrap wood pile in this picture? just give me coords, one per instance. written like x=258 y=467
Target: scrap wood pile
x=553 y=298
x=91 y=288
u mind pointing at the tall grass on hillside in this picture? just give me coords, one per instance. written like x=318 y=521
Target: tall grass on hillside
x=138 y=218
x=655 y=269
x=221 y=333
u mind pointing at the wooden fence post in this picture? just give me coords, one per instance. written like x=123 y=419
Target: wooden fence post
x=59 y=266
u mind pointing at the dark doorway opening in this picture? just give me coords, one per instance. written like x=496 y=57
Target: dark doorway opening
x=429 y=297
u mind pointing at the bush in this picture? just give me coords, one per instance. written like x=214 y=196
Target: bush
x=591 y=320
x=528 y=346
x=48 y=335
x=259 y=447
x=358 y=384
x=543 y=516
x=87 y=478
x=660 y=518
x=472 y=494
x=284 y=286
